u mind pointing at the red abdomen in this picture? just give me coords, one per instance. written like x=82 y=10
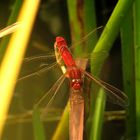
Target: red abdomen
x=73 y=72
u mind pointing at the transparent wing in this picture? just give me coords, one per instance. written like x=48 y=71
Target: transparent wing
x=48 y=91
x=85 y=38
x=38 y=65
x=102 y=55
x=83 y=44
x=49 y=96
x=115 y=95
x=39 y=57
x=38 y=72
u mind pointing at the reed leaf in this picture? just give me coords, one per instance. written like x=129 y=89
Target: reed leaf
x=110 y=33
x=63 y=126
x=106 y=41
x=13 y=57
x=137 y=65
x=98 y=116
x=128 y=63
x=39 y=132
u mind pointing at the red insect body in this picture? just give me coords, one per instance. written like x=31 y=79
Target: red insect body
x=67 y=58
x=60 y=41
x=76 y=79
x=66 y=55
x=72 y=71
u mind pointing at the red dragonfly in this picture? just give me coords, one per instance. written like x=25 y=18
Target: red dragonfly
x=76 y=75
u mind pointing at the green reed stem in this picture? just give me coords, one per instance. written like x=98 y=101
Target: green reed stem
x=127 y=39
x=98 y=116
x=39 y=132
x=106 y=41
x=62 y=131
x=137 y=64
x=110 y=33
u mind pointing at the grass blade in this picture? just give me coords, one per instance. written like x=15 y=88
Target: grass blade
x=106 y=41
x=137 y=65
x=110 y=33
x=62 y=130
x=97 y=120
x=127 y=39
x=38 y=125
x=13 y=57
x=81 y=23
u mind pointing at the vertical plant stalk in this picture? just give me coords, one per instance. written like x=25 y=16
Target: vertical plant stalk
x=13 y=57
x=98 y=116
x=137 y=64
x=38 y=125
x=128 y=63
x=81 y=23
x=76 y=117
x=77 y=108
x=62 y=129
x=103 y=46
x=109 y=34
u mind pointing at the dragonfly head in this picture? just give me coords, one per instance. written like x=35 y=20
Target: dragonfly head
x=60 y=41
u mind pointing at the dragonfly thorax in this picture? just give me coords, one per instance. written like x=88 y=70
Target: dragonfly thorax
x=61 y=48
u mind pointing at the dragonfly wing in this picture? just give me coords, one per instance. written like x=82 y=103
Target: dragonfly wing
x=53 y=90
x=48 y=100
x=34 y=80
x=115 y=95
x=40 y=64
x=38 y=72
x=86 y=38
x=39 y=57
